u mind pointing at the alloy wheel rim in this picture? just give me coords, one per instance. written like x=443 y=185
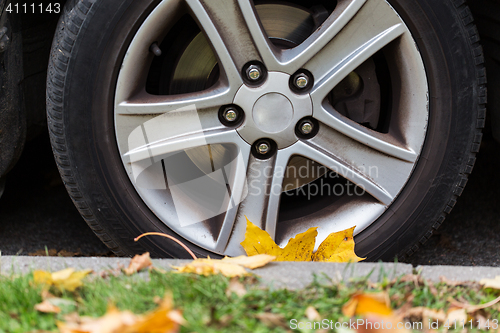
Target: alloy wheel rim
x=154 y=131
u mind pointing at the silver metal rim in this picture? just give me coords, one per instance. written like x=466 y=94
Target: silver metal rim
x=153 y=128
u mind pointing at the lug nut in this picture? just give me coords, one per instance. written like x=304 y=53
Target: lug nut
x=263 y=148
x=306 y=128
x=301 y=81
x=254 y=72
x=230 y=115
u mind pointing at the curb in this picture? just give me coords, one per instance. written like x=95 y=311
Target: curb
x=290 y=275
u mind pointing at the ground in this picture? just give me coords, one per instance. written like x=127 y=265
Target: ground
x=36 y=212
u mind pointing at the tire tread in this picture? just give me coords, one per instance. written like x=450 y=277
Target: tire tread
x=467 y=19
x=70 y=24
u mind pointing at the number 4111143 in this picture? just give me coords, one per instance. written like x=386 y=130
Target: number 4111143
x=27 y=8
x=488 y=324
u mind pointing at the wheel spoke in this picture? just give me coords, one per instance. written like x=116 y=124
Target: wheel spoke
x=239 y=192
x=381 y=142
x=146 y=104
x=380 y=175
x=234 y=46
x=293 y=59
x=373 y=27
x=177 y=131
x=264 y=179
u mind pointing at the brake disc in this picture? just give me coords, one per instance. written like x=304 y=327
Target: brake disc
x=287 y=26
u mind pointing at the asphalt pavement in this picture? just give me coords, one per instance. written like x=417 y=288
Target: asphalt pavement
x=36 y=214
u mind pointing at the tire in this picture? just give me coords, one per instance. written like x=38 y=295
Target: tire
x=84 y=80
x=486 y=13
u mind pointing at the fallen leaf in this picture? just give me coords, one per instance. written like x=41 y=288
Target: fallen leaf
x=367 y=303
x=212 y=266
x=452 y=283
x=112 y=321
x=47 y=307
x=299 y=248
x=46 y=295
x=43 y=253
x=312 y=313
x=424 y=314
x=138 y=262
x=472 y=308
x=65 y=253
x=66 y=279
x=456 y=315
x=272 y=319
x=251 y=262
x=491 y=283
x=337 y=247
x=164 y=319
x=371 y=322
x=481 y=321
x=236 y=287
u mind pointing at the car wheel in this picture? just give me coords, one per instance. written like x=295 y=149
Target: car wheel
x=187 y=116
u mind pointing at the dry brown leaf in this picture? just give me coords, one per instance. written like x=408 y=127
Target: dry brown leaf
x=47 y=307
x=452 y=283
x=472 y=308
x=236 y=287
x=43 y=253
x=312 y=313
x=65 y=253
x=456 y=315
x=66 y=279
x=138 y=263
x=72 y=317
x=424 y=314
x=251 y=262
x=480 y=320
x=272 y=319
x=46 y=295
x=112 y=321
x=367 y=303
x=162 y=320
x=491 y=283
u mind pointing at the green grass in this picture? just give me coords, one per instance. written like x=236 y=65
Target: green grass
x=207 y=308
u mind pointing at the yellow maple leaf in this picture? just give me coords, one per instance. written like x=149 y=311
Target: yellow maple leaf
x=66 y=279
x=258 y=241
x=299 y=248
x=337 y=247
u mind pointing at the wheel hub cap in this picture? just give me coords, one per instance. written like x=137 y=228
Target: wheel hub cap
x=272 y=110
x=272 y=113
